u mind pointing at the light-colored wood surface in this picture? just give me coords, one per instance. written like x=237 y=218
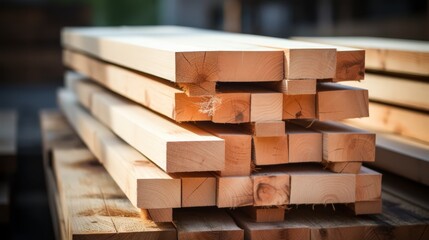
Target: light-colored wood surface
x=266 y=128
x=368 y=185
x=270 y=189
x=206 y=223
x=299 y=106
x=405 y=92
x=292 y=86
x=270 y=150
x=174 y=147
x=94 y=205
x=178 y=57
x=367 y=207
x=198 y=89
x=305 y=145
x=390 y=119
x=238 y=148
x=143 y=182
x=342 y=143
x=343 y=167
x=8 y=141
x=159 y=215
x=337 y=102
x=198 y=189
x=229 y=107
x=234 y=191
x=392 y=55
x=266 y=107
x=264 y=214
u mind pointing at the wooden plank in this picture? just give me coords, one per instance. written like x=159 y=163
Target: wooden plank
x=337 y=102
x=391 y=119
x=264 y=214
x=99 y=207
x=229 y=107
x=292 y=86
x=234 y=191
x=177 y=57
x=342 y=143
x=4 y=201
x=198 y=189
x=207 y=223
x=415 y=95
x=299 y=106
x=270 y=188
x=150 y=91
x=8 y=138
x=143 y=182
x=266 y=128
x=199 y=89
x=304 y=145
x=238 y=148
x=392 y=55
x=270 y=150
x=265 y=106
x=159 y=215
x=367 y=207
x=343 y=167
x=368 y=185
x=174 y=147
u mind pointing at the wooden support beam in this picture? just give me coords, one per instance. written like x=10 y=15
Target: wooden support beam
x=207 y=223
x=229 y=107
x=270 y=150
x=173 y=147
x=8 y=144
x=236 y=191
x=93 y=204
x=264 y=214
x=270 y=189
x=305 y=145
x=266 y=128
x=143 y=182
x=238 y=148
x=337 y=102
x=299 y=106
x=368 y=185
x=198 y=189
x=343 y=167
x=181 y=58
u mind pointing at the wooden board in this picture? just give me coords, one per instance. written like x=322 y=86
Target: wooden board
x=264 y=214
x=229 y=107
x=392 y=55
x=266 y=106
x=206 y=223
x=401 y=91
x=337 y=102
x=94 y=205
x=174 y=147
x=391 y=119
x=304 y=145
x=271 y=188
x=368 y=185
x=8 y=144
x=367 y=207
x=299 y=106
x=181 y=58
x=343 y=167
x=342 y=143
x=270 y=150
x=234 y=191
x=198 y=189
x=143 y=182
x=292 y=86
x=266 y=128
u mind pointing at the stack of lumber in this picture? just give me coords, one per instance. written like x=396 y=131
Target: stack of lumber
x=398 y=83
x=179 y=118
x=8 y=131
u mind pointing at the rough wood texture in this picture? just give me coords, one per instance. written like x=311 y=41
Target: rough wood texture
x=159 y=215
x=337 y=102
x=266 y=107
x=299 y=106
x=238 y=148
x=367 y=207
x=342 y=143
x=392 y=55
x=270 y=189
x=390 y=119
x=305 y=145
x=230 y=107
x=186 y=58
x=234 y=191
x=343 y=167
x=8 y=138
x=264 y=214
x=401 y=91
x=266 y=128
x=173 y=147
x=199 y=89
x=198 y=189
x=207 y=223
x=270 y=150
x=143 y=182
x=99 y=207
x=292 y=86
x=368 y=185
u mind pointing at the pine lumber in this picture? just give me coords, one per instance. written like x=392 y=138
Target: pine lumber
x=8 y=138
x=238 y=148
x=367 y=207
x=229 y=107
x=181 y=58
x=292 y=86
x=143 y=182
x=391 y=89
x=174 y=147
x=99 y=207
x=265 y=128
x=305 y=145
x=264 y=214
x=198 y=89
x=265 y=106
x=161 y=215
x=368 y=185
x=4 y=201
x=206 y=223
x=271 y=188
x=299 y=106
x=337 y=102
x=234 y=191
x=270 y=150
x=198 y=189
x=147 y=90
x=343 y=167
x=391 y=119
x=391 y=55
x=342 y=143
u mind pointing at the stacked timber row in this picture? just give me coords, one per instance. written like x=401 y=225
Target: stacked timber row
x=184 y=118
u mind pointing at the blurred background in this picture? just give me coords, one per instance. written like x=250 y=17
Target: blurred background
x=31 y=68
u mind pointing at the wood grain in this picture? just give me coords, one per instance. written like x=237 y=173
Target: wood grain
x=299 y=106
